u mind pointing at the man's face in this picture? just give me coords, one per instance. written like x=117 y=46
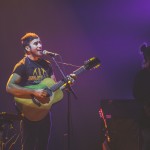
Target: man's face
x=35 y=48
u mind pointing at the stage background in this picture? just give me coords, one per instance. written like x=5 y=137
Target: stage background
x=112 y=31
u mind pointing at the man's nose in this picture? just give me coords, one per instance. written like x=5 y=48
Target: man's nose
x=39 y=45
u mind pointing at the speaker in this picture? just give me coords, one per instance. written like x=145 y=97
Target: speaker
x=120 y=119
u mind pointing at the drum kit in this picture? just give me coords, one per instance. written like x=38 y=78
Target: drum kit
x=8 y=135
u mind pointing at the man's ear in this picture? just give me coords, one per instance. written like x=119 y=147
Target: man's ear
x=27 y=48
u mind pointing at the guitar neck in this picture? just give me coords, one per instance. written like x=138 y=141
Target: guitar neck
x=60 y=83
x=79 y=70
x=57 y=85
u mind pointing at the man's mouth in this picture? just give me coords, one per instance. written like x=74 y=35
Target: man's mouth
x=40 y=51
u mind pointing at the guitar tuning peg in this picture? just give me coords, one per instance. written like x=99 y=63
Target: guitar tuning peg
x=97 y=66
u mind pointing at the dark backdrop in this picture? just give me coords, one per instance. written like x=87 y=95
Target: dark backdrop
x=78 y=30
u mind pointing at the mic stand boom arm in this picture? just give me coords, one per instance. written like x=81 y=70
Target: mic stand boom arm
x=69 y=90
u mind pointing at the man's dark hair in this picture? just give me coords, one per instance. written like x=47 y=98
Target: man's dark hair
x=25 y=40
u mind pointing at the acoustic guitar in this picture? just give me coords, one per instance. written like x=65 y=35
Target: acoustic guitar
x=36 y=109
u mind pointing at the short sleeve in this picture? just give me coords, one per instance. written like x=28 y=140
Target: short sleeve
x=20 y=69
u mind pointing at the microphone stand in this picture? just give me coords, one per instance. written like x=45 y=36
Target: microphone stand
x=69 y=91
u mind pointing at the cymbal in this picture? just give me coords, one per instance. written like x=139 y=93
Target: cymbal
x=10 y=116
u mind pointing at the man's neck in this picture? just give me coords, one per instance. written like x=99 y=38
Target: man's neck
x=32 y=57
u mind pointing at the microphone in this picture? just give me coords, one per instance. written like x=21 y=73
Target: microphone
x=45 y=52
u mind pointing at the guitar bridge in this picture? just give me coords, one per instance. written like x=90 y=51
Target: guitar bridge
x=35 y=101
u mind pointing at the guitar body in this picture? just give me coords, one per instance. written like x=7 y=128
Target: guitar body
x=31 y=110
x=29 y=106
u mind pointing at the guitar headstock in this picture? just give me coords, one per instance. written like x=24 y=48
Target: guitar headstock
x=92 y=63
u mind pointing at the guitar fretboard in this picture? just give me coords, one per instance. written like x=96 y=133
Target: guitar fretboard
x=79 y=70
x=60 y=83
x=57 y=85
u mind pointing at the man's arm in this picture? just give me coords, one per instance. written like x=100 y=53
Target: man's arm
x=13 y=88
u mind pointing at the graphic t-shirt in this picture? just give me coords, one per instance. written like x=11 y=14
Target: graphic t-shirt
x=32 y=72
